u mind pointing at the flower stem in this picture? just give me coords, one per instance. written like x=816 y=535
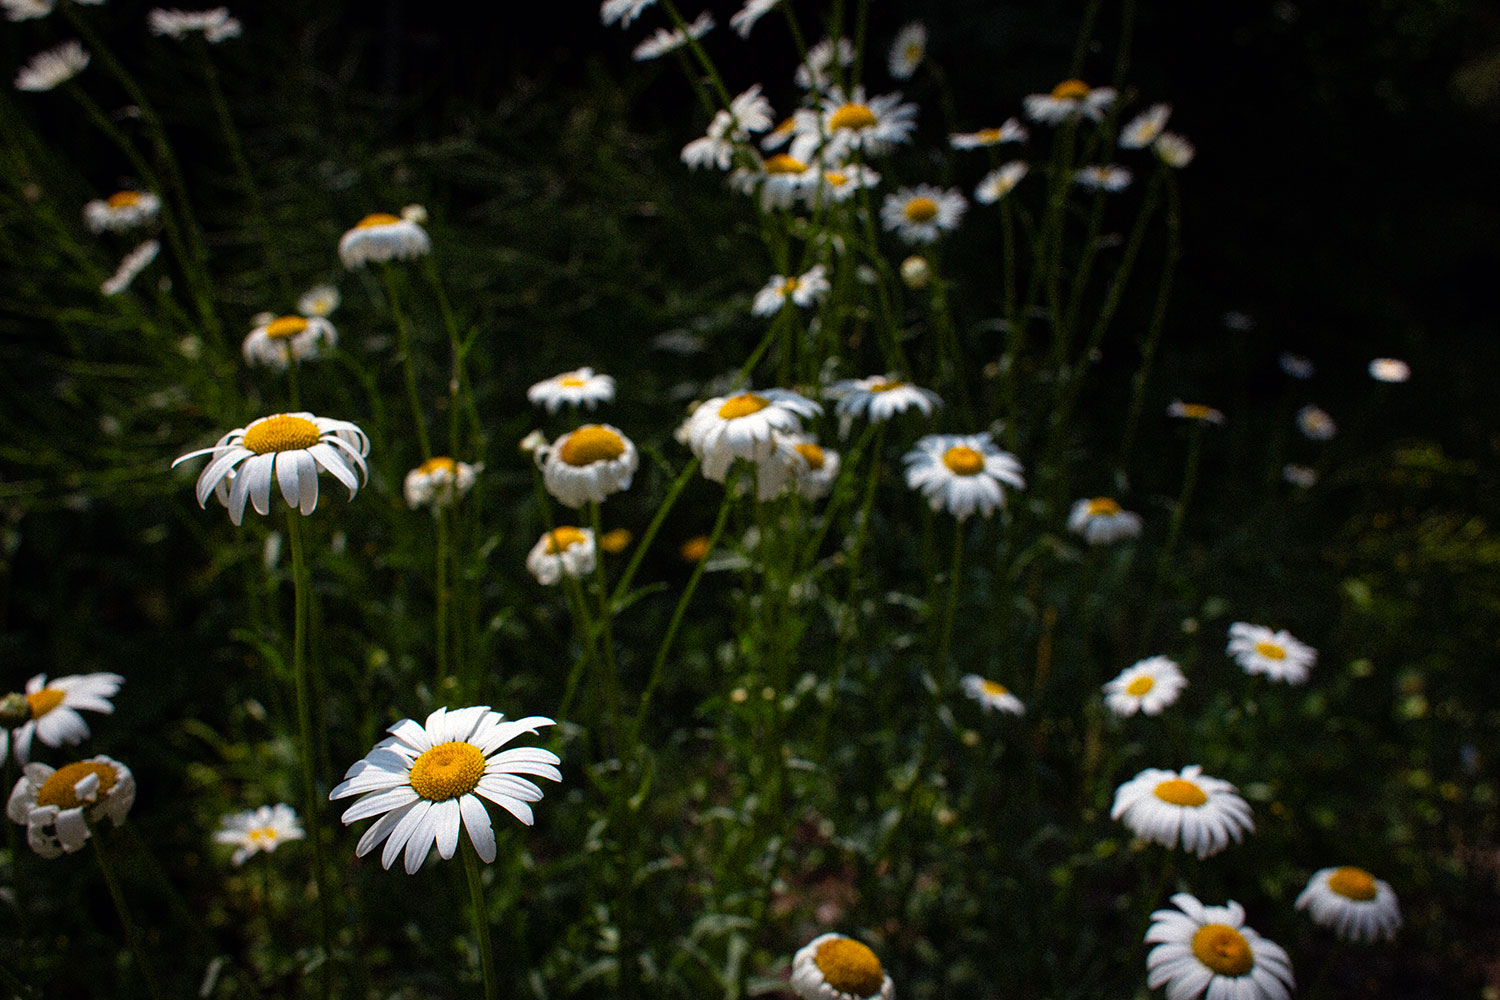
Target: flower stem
x=481 y=917
x=408 y=366
x=1179 y=512
x=131 y=940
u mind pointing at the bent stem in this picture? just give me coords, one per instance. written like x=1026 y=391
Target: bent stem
x=481 y=917
x=131 y=940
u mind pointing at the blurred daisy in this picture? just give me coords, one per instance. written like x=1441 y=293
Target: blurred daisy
x=907 y=51
x=1352 y=903
x=122 y=210
x=694 y=549
x=52 y=710
x=809 y=289
x=1069 y=99
x=580 y=387
x=743 y=20
x=962 y=473
x=131 y=265
x=835 y=967
x=1000 y=182
x=1146 y=127
x=1296 y=365
x=839 y=183
x=426 y=778
x=622 y=11
x=815 y=474
x=1173 y=150
x=1148 y=687
x=319 y=301
x=852 y=122
x=563 y=551
x=25 y=10
x=992 y=695
x=1299 y=475
x=813 y=72
x=744 y=426
x=1208 y=949
x=916 y=273
x=715 y=148
x=1195 y=411
x=257 y=830
x=880 y=397
x=1101 y=521
x=382 y=237
x=671 y=39
x=780 y=181
x=920 y=214
x=292 y=447
x=1316 y=424
x=216 y=25
x=438 y=482
x=1011 y=131
x=57 y=805
x=49 y=70
x=1103 y=178
x=1389 y=370
x=1164 y=806
x=1259 y=650
x=588 y=464
x=280 y=341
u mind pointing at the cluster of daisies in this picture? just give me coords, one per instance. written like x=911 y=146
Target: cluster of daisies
x=1315 y=423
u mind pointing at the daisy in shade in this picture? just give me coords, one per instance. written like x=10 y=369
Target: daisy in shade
x=1315 y=423
x=280 y=341
x=1173 y=150
x=622 y=12
x=1300 y=475
x=588 y=464
x=215 y=25
x=1148 y=687
x=744 y=426
x=131 y=265
x=381 y=237
x=880 y=397
x=1296 y=365
x=671 y=39
x=908 y=51
x=813 y=72
x=1103 y=178
x=563 y=551
x=992 y=695
x=835 y=967
x=438 y=482
x=122 y=210
x=808 y=289
x=50 y=711
x=1389 y=370
x=1164 y=806
x=51 y=69
x=57 y=805
x=743 y=20
x=25 y=10
x=815 y=474
x=427 y=778
x=1011 y=131
x=1146 y=127
x=1069 y=100
x=319 y=301
x=1195 y=411
x=1277 y=654
x=291 y=448
x=259 y=830
x=1209 y=950
x=1352 y=903
x=780 y=181
x=962 y=473
x=1101 y=520
x=1000 y=182
x=581 y=387
x=922 y=213
x=850 y=122
x=839 y=183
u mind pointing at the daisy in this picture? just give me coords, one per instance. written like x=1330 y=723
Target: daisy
x=1000 y=182
x=743 y=20
x=49 y=70
x=1101 y=521
x=1354 y=904
x=962 y=473
x=280 y=341
x=52 y=711
x=916 y=273
x=1316 y=424
x=57 y=805
x=813 y=73
x=293 y=446
x=1103 y=178
x=992 y=695
x=263 y=829
x=880 y=397
x=1148 y=687
x=1069 y=100
x=814 y=476
x=615 y=540
x=425 y=778
x=622 y=11
x=1279 y=656
x=920 y=214
x=580 y=387
x=1299 y=475
x=1296 y=365
x=1011 y=131
x=809 y=289
x=382 y=237
x=1389 y=370
x=1208 y=949
x=563 y=551
x=588 y=464
x=907 y=51
x=781 y=180
x=1195 y=411
x=216 y=25
x=319 y=301
x=122 y=210
x=131 y=265
x=438 y=482
x=851 y=121
x=714 y=149
x=835 y=967
x=839 y=183
x=670 y=39
x=1173 y=150
x=1164 y=806
x=25 y=10
x=1146 y=127
x=744 y=426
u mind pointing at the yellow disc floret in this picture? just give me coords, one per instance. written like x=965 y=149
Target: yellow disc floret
x=1270 y=650
x=447 y=771
x=572 y=382
x=921 y=209
x=743 y=405
x=44 y=701
x=1071 y=90
x=694 y=549
x=1353 y=883
x=781 y=163
x=994 y=688
x=963 y=461
x=123 y=199
x=812 y=454
x=377 y=219
x=61 y=789
x=282 y=432
x=1180 y=792
x=441 y=463
x=1103 y=507
x=849 y=967
x=886 y=386
x=1223 y=949
x=1140 y=686
x=852 y=116
x=591 y=443
x=285 y=326
x=564 y=537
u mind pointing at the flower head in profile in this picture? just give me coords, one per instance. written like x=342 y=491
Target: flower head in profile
x=427 y=779
x=438 y=482
x=744 y=425
x=121 y=210
x=51 y=711
x=51 y=69
x=1163 y=807
x=743 y=20
x=880 y=397
x=580 y=387
x=838 y=183
x=292 y=448
x=962 y=473
x=921 y=214
x=259 y=830
x=26 y=10
x=1195 y=411
x=1389 y=370
x=622 y=12
x=816 y=469
x=1000 y=182
x=1352 y=903
x=131 y=265
x=807 y=289
x=991 y=695
x=1298 y=366
x=1173 y=150
x=57 y=805
x=1300 y=475
x=381 y=237
x=1146 y=127
x=1209 y=950
x=320 y=300
x=278 y=342
x=215 y=25
x=588 y=464
x=1276 y=654
x=1101 y=520
x=1069 y=100
x=1147 y=686
x=813 y=73
x=563 y=551
x=835 y=967
x=1103 y=177
x=907 y=51
x=671 y=39
x=1011 y=131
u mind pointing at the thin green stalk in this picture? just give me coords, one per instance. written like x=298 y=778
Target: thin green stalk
x=943 y=673
x=408 y=363
x=441 y=515
x=1174 y=529
x=1158 y=320
x=623 y=584
x=481 y=918
x=132 y=940
x=606 y=632
x=460 y=389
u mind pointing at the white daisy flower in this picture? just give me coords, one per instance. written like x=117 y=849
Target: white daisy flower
x=992 y=695
x=259 y=830
x=1147 y=686
x=815 y=475
x=122 y=210
x=713 y=149
x=781 y=180
x=1296 y=365
x=880 y=397
x=280 y=341
x=563 y=551
x=751 y=111
x=670 y=39
x=1208 y=949
x=439 y=482
x=1173 y=150
x=580 y=387
x=1315 y=423
x=1195 y=411
x=25 y=10
x=290 y=447
x=1163 y=807
x=810 y=289
x=382 y=237
x=835 y=967
x=622 y=11
x=849 y=122
x=916 y=273
x=962 y=473
x=216 y=25
x=588 y=464
x=1352 y=903
x=813 y=73
x=425 y=779
x=1069 y=99
x=839 y=183
x=51 y=69
x=52 y=711
x=743 y=20
x=1146 y=127
x=319 y=301
x=1000 y=182
x=57 y=806
x=131 y=265
x=1011 y=131
x=1259 y=650
x=1300 y=475
x=921 y=214
x=1389 y=370
x=1106 y=177
x=744 y=426
x=907 y=51
x=1101 y=520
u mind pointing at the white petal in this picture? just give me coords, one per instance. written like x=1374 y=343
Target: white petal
x=379 y=802
x=446 y=817
x=477 y=822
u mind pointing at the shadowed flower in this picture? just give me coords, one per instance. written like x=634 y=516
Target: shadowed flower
x=991 y=695
x=438 y=482
x=1195 y=411
x=1148 y=687
x=580 y=387
x=1352 y=903
x=51 y=69
x=1163 y=807
x=744 y=426
x=131 y=265
x=670 y=39
x=259 y=830
x=319 y=301
x=1146 y=127
x=743 y=20
x=1069 y=99
x=1315 y=423
x=1208 y=949
x=1389 y=370
x=563 y=551
x=962 y=473
x=809 y=289
x=216 y=24
x=1000 y=182
x=381 y=237
x=1173 y=150
x=622 y=11
x=835 y=967
x=57 y=805
x=907 y=51
x=922 y=213
x=52 y=710
x=280 y=341
x=880 y=397
x=1011 y=131
x=1103 y=178
x=121 y=210
x=1101 y=521
x=1259 y=650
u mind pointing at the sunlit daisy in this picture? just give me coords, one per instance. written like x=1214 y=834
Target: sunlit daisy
x=991 y=695
x=1011 y=131
x=814 y=71
x=51 y=711
x=280 y=341
x=426 y=779
x=1000 y=182
x=580 y=387
x=438 y=482
x=743 y=20
x=131 y=265
x=880 y=397
x=852 y=122
x=1209 y=950
x=1195 y=411
x=1352 y=903
x=744 y=426
x=1163 y=807
x=291 y=448
x=216 y=25
x=563 y=551
x=1101 y=520
x=908 y=50
x=1105 y=177
x=805 y=290
x=319 y=301
x=670 y=39
x=622 y=11
x=259 y=830
x=51 y=69
x=1389 y=370
x=1069 y=99
x=922 y=213
x=588 y=464
x=1146 y=127
x=962 y=473
x=122 y=210
x=1173 y=150
x=835 y=967
x=381 y=237
x=1315 y=423
x=57 y=805
x=1148 y=687
x=1278 y=655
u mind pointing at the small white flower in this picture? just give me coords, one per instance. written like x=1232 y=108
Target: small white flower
x=588 y=464
x=851 y=122
x=920 y=214
x=744 y=19
x=1299 y=475
x=1147 y=686
x=259 y=830
x=818 y=469
x=1100 y=520
x=1000 y=182
x=1163 y=807
x=670 y=39
x=49 y=70
x=439 y=482
x=1195 y=411
x=381 y=237
x=57 y=805
x=962 y=473
x=281 y=340
x=1296 y=365
x=1146 y=127
x=880 y=397
x=622 y=11
x=1173 y=150
x=216 y=24
x=908 y=50
x=1352 y=903
x=319 y=301
x=1069 y=100
x=563 y=551
x=809 y=289
x=1259 y=650
x=835 y=967
x=25 y=10
x=131 y=265
x=1208 y=949
x=580 y=387
x=1316 y=424
x=122 y=210
x=839 y=183
x=1011 y=131
x=744 y=426
x=1103 y=178
x=992 y=695
x=813 y=72
x=1389 y=370
x=54 y=711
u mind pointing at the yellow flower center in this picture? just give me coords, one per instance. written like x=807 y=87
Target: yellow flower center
x=788 y=286
x=591 y=443
x=564 y=537
x=1197 y=411
x=1103 y=507
x=886 y=386
x=1071 y=90
x=285 y=326
x=282 y=432
x=963 y=461
x=787 y=125
x=1353 y=883
x=572 y=382
x=836 y=177
x=262 y=835
x=1180 y=792
x=743 y=405
x=1270 y=650
x=921 y=209
x=849 y=967
x=44 y=701
x=439 y=464
x=812 y=453
x=1138 y=687
x=123 y=199
x=59 y=789
x=781 y=163
x=994 y=688
x=447 y=771
x=1223 y=949
x=695 y=548
x=988 y=135
x=615 y=540
x=376 y=219
x=853 y=117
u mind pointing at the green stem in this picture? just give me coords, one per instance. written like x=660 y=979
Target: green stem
x=408 y=364
x=481 y=918
x=1179 y=512
x=1158 y=320
x=606 y=632
x=132 y=941
x=441 y=591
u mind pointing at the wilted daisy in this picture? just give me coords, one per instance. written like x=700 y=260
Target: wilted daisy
x=1389 y=370
x=1105 y=177
x=1259 y=650
x=426 y=778
x=1173 y=150
x=50 y=69
x=381 y=237
x=563 y=551
x=1315 y=423
x=131 y=265
x=1165 y=806
x=880 y=397
x=806 y=290
x=216 y=25
x=1101 y=520
x=622 y=11
x=1352 y=903
x=962 y=473
x=908 y=50
x=580 y=387
x=743 y=20
x=991 y=695
x=1000 y=182
x=321 y=300
x=257 y=830
x=50 y=712
x=670 y=39
x=1069 y=99
x=1147 y=686
x=1208 y=949
x=121 y=210
x=1195 y=411
x=1146 y=127
x=438 y=482
x=744 y=426
x=1011 y=131
x=922 y=213
x=280 y=341
x=588 y=464
x=57 y=805
x=852 y=122
x=813 y=72
x=292 y=448
x=835 y=967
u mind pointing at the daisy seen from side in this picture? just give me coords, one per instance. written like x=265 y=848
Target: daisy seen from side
x=991 y=695
x=259 y=830
x=439 y=482
x=1352 y=903
x=588 y=464
x=1315 y=423
x=121 y=211
x=1389 y=370
x=880 y=397
x=1101 y=520
x=380 y=237
x=52 y=711
x=743 y=20
x=215 y=25
x=1148 y=686
x=51 y=69
x=1209 y=950
x=564 y=551
x=962 y=473
x=1146 y=127
x=907 y=51
x=1195 y=411
x=280 y=341
x=1070 y=99
x=1011 y=131
x=1103 y=177
x=1165 y=807
x=622 y=12
x=1275 y=653
x=805 y=290
x=582 y=387
x=320 y=300
x=131 y=265
x=835 y=967
x=1001 y=181
x=671 y=39
x=921 y=214
x=744 y=425
x=1173 y=150
x=56 y=805
x=818 y=469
